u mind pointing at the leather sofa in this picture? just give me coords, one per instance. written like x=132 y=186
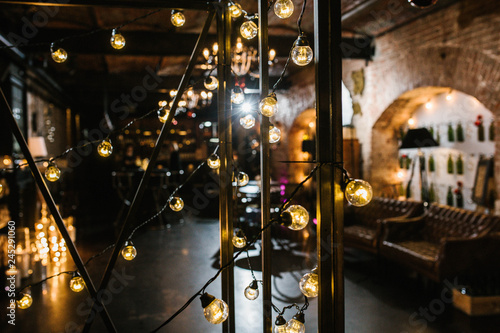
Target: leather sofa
x=444 y=242
x=363 y=228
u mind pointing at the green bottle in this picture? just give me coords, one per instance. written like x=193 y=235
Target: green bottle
x=432 y=164
x=492 y=131
x=450 y=165
x=431 y=130
x=449 y=197
x=460 y=133
x=480 y=132
x=432 y=194
x=438 y=137
x=401 y=162
x=451 y=134
x=460 y=199
x=407 y=163
x=460 y=165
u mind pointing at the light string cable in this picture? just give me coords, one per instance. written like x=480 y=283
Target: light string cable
x=88 y=33
x=244 y=249
x=44 y=280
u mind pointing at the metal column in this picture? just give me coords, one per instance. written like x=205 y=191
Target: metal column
x=226 y=165
x=330 y=240
x=265 y=190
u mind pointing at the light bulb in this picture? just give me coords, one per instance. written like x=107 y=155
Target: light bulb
x=274 y=134
x=280 y=325
x=295 y=217
x=309 y=284
x=237 y=95
x=105 y=148
x=296 y=324
x=422 y=3
x=163 y=114
x=358 y=192
x=235 y=10
x=214 y=309
x=213 y=161
x=283 y=8
x=117 y=40
x=247 y=121
x=1 y=188
x=211 y=82
x=239 y=240
x=59 y=55
x=178 y=19
x=76 y=283
x=176 y=204
x=52 y=173
x=129 y=252
x=302 y=54
x=248 y=30
x=24 y=302
x=252 y=291
x=242 y=179
x=269 y=105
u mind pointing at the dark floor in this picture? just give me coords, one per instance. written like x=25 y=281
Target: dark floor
x=172 y=264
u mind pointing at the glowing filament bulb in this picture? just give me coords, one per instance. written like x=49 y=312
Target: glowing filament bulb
x=237 y=95
x=272 y=55
x=252 y=291
x=309 y=285
x=178 y=19
x=280 y=325
x=176 y=204
x=211 y=82
x=213 y=161
x=296 y=324
x=105 y=148
x=59 y=55
x=163 y=114
x=117 y=40
x=247 y=121
x=242 y=179
x=269 y=105
x=283 y=8
x=274 y=134
x=235 y=10
x=358 y=192
x=295 y=217
x=239 y=240
x=215 y=310
x=52 y=173
x=129 y=252
x=302 y=54
x=248 y=30
x=1 y=188
x=76 y=283
x=25 y=301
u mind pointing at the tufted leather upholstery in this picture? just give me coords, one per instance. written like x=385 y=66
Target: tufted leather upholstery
x=363 y=229
x=441 y=243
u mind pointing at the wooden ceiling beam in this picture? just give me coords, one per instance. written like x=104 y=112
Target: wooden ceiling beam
x=170 y=4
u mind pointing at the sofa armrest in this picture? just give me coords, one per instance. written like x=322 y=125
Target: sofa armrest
x=398 y=229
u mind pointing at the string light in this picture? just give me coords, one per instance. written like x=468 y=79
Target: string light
x=422 y=3
x=249 y=29
x=283 y=8
x=52 y=173
x=242 y=179
x=1 y=188
x=117 y=40
x=176 y=204
x=237 y=95
x=247 y=121
x=105 y=148
x=296 y=324
x=274 y=134
x=59 y=55
x=211 y=82
x=302 y=54
x=309 y=284
x=163 y=114
x=239 y=240
x=295 y=217
x=177 y=18
x=25 y=301
x=358 y=192
x=235 y=10
x=269 y=105
x=215 y=310
x=76 y=283
x=252 y=291
x=213 y=161
x=129 y=252
x=280 y=325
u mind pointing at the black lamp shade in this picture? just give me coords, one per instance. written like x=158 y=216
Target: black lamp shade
x=418 y=138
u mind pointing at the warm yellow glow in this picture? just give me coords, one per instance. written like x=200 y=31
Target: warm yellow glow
x=269 y=106
x=400 y=175
x=1 y=188
x=7 y=160
x=235 y=10
x=237 y=96
x=176 y=204
x=295 y=326
x=173 y=92
x=242 y=179
x=428 y=105
x=239 y=240
x=206 y=53
x=25 y=301
x=105 y=148
x=216 y=312
x=302 y=55
x=283 y=8
x=309 y=285
x=59 y=55
x=295 y=217
x=77 y=284
x=203 y=94
x=129 y=252
x=274 y=134
x=272 y=54
x=117 y=40
x=162 y=103
x=178 y=19
x=213 y=161
x=211 y=83
x=39 y=226
x=411 y=122
x=449 y=97
x=163 y=114
x=52 y=173
x=247 y=121
x=358 y=192
x=215 y=47
x=248 y=30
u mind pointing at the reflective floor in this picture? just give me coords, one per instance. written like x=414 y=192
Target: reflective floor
x=173 y=263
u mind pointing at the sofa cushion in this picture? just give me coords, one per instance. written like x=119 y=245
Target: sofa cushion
x=360 y=234
x=419 y=253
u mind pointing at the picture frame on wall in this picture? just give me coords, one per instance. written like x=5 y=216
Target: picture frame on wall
x=482 y=190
